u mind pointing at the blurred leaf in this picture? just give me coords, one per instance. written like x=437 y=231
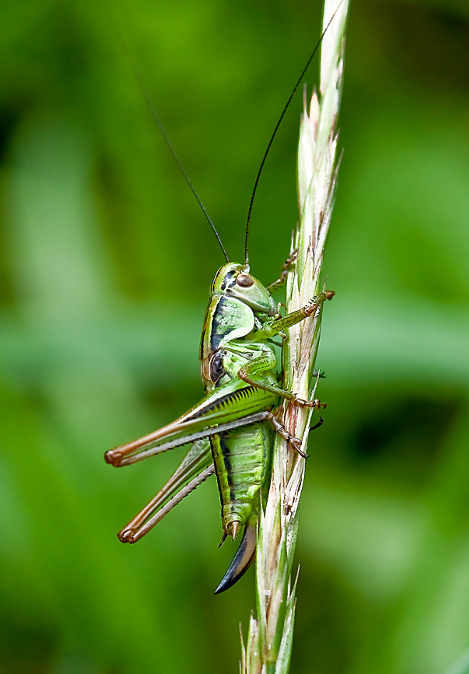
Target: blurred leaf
x=105 y=264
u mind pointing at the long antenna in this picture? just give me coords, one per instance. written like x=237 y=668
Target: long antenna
x=173 y=151
x=256 y=182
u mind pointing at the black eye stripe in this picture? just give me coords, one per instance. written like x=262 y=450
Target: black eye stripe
x=228 y=281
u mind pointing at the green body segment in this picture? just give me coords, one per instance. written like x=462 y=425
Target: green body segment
x=240 y=456
x=241 y=459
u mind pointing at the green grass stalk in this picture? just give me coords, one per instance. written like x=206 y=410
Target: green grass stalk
x=269 y=643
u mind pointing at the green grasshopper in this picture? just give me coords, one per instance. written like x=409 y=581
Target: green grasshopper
x=231 y=429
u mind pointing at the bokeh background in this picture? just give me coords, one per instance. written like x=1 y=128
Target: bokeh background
x=105 y=265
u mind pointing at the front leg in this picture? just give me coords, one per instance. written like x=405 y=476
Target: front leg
x=279 y=325
x=288 y=264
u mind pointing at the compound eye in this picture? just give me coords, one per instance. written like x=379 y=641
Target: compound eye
x=244 y=280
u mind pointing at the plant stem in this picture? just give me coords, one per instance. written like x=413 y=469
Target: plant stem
x=269 y=644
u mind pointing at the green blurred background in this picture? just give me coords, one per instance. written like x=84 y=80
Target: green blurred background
x=105 y=264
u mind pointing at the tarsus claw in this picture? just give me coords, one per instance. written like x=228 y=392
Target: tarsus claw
x=316 y=403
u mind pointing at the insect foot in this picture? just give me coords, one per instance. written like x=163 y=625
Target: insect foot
x=296 y=444
x=316 y=404
x=318 y=425
x=289 y=264
x=315 y=302
x=282 y=431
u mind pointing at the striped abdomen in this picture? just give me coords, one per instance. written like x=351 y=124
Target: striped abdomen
x=241 y=460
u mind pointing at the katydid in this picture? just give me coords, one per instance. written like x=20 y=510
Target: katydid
x=231 y=429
